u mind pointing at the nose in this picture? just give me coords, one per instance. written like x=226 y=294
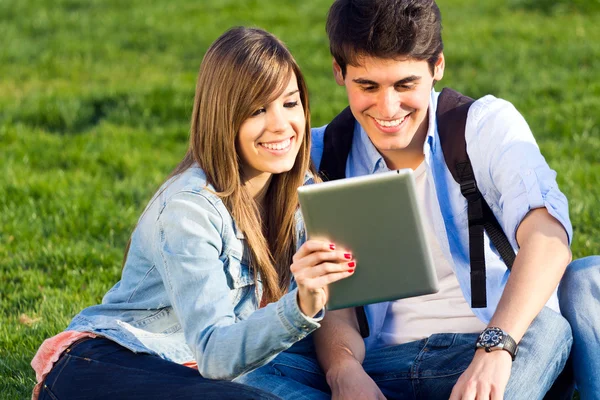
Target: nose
x=389 y=103
x=276 y=120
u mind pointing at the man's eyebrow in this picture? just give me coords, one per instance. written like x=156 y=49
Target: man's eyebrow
x=362 y=81
x=408 y=79
x=403 y=81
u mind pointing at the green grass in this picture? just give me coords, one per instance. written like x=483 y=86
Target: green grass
x=95 y=99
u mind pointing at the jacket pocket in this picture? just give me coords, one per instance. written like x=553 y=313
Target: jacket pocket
x=162 y=322
x=238 y=268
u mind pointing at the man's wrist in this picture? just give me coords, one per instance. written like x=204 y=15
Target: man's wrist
x=493 y=339
x=341 y=369
x=483 y=353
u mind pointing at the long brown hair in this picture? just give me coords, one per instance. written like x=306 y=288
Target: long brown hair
x=243 y=70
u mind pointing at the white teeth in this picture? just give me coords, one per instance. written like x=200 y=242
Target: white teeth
x=392 y=123
x=277 y=146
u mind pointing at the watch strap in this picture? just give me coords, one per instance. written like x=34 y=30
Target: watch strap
x=510 y=345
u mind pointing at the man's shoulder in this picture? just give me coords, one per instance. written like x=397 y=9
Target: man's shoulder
x=485 y=105
x=317 y=135
x=492 y=121
x=491 y=107
x=316 y=145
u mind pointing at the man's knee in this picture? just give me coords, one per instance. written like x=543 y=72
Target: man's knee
x=550 y=323
x=548 y=339
x=580 y=284
x=543 y=352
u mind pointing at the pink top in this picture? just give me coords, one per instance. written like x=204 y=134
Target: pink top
x=51 y=350
x=49 y=353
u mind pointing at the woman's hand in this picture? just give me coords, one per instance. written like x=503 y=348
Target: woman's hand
x=315 y=265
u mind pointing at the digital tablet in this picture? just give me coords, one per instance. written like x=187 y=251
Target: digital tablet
x=378 y=218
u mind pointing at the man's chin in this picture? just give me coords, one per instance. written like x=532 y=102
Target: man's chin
x=390 y=145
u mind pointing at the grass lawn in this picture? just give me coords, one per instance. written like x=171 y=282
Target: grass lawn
x=95 y=99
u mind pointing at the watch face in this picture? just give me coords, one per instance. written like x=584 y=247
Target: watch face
x=491 y=337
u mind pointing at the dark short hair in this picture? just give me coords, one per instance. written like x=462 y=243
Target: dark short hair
x=389 y=29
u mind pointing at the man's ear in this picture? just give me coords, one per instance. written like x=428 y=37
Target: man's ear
x=438 y=72
x=337 y=73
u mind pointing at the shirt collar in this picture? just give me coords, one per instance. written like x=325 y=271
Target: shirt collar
x=432 y=131
x=366 y=156
x=369 y=159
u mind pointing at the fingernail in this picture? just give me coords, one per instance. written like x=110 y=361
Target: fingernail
x=348 y=256
x=332 y=246
x=351 y=270
x=351 y=264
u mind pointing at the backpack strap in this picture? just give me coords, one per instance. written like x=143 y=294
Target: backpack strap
x=337 y=142
x=452 y=110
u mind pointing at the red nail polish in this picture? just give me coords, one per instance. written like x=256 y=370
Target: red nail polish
x=348 y=256
x=332 y=246
x=351 y=270
x=351 y=264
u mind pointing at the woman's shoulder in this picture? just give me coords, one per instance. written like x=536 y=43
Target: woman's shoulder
x=192 y=181
x=184 y=195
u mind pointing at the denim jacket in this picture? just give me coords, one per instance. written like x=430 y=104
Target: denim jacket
x=187 y=293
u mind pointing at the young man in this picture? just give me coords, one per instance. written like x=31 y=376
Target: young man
x=389 y=54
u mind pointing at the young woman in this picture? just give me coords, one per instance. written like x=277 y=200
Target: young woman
x=213 y=276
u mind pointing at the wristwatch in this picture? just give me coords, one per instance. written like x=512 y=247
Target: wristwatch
x=493 y=338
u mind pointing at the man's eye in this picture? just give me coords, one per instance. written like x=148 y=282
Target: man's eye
x=405 y=87
x=258 y=112
x=369 y=88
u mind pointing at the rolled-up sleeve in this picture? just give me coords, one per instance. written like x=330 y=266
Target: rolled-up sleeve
x=510 y=168
x=189 y=236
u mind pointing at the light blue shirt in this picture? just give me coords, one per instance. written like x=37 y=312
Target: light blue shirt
x=511 y=174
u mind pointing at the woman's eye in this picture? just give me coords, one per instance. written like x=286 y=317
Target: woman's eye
x=291 y=104
x=258 y=112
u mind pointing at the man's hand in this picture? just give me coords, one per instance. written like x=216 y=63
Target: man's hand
x=486 y=377
x=352 y=382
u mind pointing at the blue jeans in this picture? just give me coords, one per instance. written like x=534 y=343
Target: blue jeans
x=428 y=368
x=101 y=369
x=579 y=296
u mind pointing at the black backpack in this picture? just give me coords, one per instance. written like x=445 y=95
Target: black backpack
x=452 y=109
